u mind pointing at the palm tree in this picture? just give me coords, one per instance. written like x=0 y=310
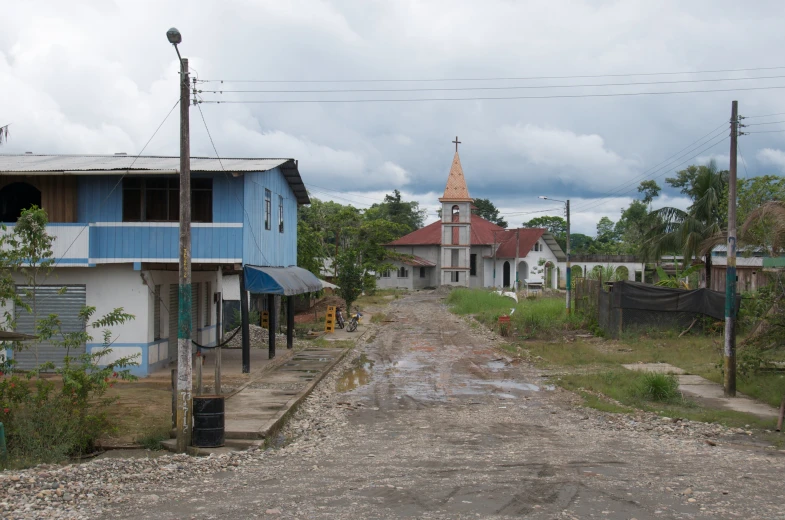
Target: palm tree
x=765 y=227
x=676 y=231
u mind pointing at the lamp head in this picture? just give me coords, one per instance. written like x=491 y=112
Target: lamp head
x=174 y=36
x=542 y=197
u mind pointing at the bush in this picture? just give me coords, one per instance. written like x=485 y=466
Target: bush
x=254 y=318
x=658 y=387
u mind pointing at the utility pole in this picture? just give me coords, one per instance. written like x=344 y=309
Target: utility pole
x=730 y=270
x=569 y=271
x=184 y=361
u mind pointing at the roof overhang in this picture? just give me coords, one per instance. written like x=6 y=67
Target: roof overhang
x=30 y=164
x=6 y=335
x=287 y=281
x=554 y=247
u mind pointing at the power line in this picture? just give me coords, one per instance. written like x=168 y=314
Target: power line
x=678 y=155
x=743 y=162
x=764 y=132
x=763 y=115
x=433 y=80
x=242 y=204
x=322 y=188
x=513 y=87
x=764 y=123
x=663 y=173
x=483 y=98
x=119 y=181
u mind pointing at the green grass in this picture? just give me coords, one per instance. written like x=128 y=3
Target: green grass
x=380 y=297
x=532 y=318
x=630 y=389
x=378 y=317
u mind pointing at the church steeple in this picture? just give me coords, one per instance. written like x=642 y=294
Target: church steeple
x=456 y=228
x=456 y=190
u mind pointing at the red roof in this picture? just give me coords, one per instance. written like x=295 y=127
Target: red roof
x=482 y=234
x=526 y=239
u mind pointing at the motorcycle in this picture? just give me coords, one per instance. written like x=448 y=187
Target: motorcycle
x=353 y=322
x=339 y=318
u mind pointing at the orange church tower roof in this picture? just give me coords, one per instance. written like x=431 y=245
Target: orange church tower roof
x=456 y=190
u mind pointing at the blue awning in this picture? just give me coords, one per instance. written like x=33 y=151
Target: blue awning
x=287 y=281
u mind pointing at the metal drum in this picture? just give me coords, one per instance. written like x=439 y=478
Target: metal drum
x=208 y=430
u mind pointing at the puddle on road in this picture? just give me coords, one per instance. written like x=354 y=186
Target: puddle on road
x=496 y=365
x=358 y=374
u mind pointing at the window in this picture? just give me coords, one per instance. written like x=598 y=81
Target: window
x=473 y=265
x=422 y=272
x=280 y=214
x=385 y=273
x=268 y=210
x=453 y=258
x=454 y=276
x=403 y=272
x=158 y=200
x=157 y=313
x=456 y=213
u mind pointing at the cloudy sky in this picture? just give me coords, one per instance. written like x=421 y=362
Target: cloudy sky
x=99 y=77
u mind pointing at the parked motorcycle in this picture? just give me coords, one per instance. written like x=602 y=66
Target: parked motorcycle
x=353 y=322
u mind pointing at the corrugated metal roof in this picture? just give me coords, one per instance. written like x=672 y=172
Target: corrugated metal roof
x=33 y=164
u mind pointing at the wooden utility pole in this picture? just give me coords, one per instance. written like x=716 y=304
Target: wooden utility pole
x=569 y=271
x=184 y=362
x=730 y=270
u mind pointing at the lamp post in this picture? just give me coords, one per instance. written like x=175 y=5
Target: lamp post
x=184 y=376
x=569 y=272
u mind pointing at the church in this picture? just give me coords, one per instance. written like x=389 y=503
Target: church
x=464 y=250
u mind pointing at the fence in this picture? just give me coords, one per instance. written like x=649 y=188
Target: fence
x=624 y=306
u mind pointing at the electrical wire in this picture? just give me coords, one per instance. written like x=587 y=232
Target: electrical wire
x=242 y=204
x=743 y=162
x=433 y=80
x=513 y=87
x=764 y=132
x=763 y=115
x=481 y=98
x=119 y=181
x=765 y=123
x=664 y=172
x=663 y=164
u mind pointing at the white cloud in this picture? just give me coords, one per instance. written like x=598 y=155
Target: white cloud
x=772 y=157
x=579 y=158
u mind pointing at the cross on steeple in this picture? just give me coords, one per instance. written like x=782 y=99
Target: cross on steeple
x=457 y=142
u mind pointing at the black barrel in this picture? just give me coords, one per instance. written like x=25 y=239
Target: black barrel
x=208 y=431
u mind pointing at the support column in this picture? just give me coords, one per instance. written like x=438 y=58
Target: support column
x=271 y=335
x=246 y=331
x=289 y=321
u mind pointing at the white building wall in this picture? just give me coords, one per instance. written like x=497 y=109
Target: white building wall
x=632 y=267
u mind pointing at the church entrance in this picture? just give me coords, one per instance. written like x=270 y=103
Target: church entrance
x=506 y=274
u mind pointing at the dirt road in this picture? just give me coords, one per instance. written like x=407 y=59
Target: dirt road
x=445 y=429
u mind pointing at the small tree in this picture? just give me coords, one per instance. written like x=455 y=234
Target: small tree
x=32 y=255
x=351 y=276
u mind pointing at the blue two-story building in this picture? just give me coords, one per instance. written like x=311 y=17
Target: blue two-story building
x=115 y=224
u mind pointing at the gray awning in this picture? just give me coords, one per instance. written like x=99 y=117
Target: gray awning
x=280 y=280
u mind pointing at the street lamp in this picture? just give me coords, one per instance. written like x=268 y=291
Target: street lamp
x=184 y=320
x=569 y=273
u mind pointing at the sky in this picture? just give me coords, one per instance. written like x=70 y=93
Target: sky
x=99 y=77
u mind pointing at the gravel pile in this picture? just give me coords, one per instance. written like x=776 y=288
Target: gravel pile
x=83 y=490
x=259 y=338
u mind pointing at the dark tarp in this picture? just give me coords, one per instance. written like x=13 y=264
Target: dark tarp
x=287 y=281
x=636 y=295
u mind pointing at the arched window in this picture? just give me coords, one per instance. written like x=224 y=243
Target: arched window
x=456 y=213
x=622 y=273
x=577 y=272
x=16 y=197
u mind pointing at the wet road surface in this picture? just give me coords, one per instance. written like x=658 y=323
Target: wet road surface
x=431 y=421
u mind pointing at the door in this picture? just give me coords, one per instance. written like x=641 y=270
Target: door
x=506 y=274
x=50 y=299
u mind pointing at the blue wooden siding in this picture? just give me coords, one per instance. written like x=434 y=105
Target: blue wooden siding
x=146 y=243
x=100 y=205
x=263 y=246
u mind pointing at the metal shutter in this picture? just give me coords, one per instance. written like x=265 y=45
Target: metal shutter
x=173 y=311
x=207 y=302
x=49 y=301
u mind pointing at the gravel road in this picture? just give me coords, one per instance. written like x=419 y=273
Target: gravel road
x=444 y=427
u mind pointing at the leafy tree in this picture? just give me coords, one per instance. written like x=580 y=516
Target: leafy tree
x=351 y=276
x=581 y=244
x=557 y=226
x=765 y=227
x=755 y=197
x=676 y=231
x=487 y=210
x=632 y=225
x=650 y=190
x=677 y=280
x=407 y=214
